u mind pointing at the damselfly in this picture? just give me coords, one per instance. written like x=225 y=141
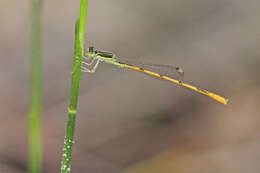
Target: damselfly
x=166 y=72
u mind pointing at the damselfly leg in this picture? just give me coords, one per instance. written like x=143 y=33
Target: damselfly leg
x=86 y=67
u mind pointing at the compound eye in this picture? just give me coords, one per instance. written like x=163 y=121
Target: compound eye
x=91 y=49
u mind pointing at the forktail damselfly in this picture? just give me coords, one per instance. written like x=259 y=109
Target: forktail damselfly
x=166 y=72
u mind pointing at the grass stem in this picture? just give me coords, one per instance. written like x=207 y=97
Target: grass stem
x=75 y=83
x=34 y=121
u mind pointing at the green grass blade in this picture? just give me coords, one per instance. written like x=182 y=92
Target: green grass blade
x=34 y=121
x=75 y=83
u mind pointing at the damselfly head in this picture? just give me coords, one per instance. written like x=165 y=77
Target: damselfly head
x=91 y=51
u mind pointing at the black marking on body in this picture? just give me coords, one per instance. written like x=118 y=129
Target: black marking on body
x=125 y=63
x=202 y=90
x=141 y=69
x=105 y=54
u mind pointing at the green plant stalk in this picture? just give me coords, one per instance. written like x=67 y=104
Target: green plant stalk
x=80 y=27
x=34 y=121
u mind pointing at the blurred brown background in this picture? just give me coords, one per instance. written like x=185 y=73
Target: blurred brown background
x=128 y=122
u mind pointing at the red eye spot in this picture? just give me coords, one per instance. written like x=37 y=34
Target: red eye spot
x=180 y=71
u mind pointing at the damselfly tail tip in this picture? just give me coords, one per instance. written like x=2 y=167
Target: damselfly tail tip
x=222 y=100
x=226 y=101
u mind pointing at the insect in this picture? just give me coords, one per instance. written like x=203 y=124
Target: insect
x=166 y=72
